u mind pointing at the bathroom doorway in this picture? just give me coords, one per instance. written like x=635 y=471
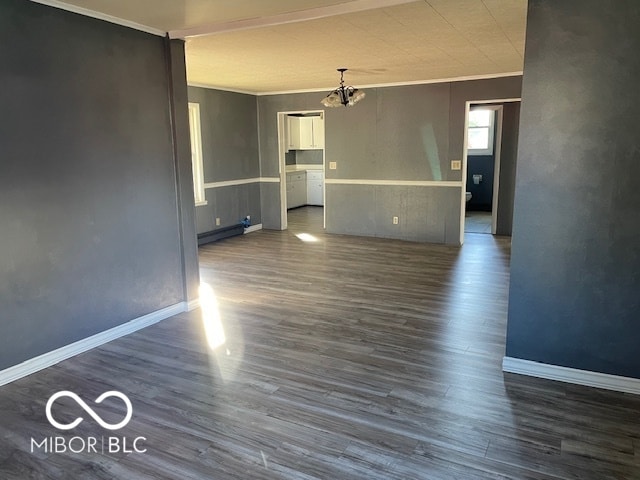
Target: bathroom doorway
x=483 y=167
x=488 y=170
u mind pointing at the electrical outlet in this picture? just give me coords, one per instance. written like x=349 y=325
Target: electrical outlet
x=395 y=220
x=456 y=164
x=217 y=221
x=332 y=165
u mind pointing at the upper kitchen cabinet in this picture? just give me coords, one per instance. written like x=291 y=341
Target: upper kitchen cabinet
x=293 y=133
x=305 y=133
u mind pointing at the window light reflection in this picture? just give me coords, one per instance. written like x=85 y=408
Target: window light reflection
x=211 y=317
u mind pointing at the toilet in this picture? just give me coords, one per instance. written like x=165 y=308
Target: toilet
x=468 y=196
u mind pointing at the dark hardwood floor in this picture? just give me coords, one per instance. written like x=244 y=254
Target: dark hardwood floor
x=345 y=358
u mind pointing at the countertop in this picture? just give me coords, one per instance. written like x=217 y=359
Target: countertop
x=302 y=168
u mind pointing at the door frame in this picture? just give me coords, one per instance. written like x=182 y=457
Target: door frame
x=282 y=168
x=499 y=107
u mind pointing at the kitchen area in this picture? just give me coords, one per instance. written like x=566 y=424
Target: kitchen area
x=304 y=160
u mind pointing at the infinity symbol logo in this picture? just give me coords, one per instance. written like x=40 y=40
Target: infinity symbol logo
x=94 y=415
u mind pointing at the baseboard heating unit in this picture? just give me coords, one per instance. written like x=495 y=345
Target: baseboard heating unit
x=220 y=233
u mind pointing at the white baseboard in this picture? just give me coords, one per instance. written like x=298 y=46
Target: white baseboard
x=253 y=228
x=571 y=375
x=51 y=358
x=193 y=304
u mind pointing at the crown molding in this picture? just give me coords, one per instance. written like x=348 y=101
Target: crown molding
x=373 y=85
x=223 y=89
x=100 y=16
x=487 y=76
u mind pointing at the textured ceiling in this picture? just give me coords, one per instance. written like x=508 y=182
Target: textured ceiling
x=410 y=42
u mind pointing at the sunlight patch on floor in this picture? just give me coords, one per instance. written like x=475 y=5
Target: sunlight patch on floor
x=211 y=317
x=307 y=237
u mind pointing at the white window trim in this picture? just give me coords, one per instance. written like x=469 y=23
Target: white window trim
x=197 y=164
x=491 y=127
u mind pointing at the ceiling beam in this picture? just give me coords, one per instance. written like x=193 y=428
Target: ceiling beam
x=284 y=18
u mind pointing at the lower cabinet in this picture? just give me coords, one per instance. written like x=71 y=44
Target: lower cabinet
x=296 y=189
x=305 y=188
x=315 y=190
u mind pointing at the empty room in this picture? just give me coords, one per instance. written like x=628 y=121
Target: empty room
x=319 y=239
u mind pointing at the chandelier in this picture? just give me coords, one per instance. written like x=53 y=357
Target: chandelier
x=347 y=96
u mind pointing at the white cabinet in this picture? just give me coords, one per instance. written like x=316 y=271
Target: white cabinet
x=293 y=133
x=315 y=187
x=305 y=133
x=296 y=189
x=305 y=188
x=317 y=132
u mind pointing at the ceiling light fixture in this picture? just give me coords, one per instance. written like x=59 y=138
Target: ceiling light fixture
x=347 y=96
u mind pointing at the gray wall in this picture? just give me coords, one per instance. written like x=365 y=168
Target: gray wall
x=396 y=133
x=181 y=142
x=482 y=193
x=476 y=90
x=574 y=271
x=230 y=152
x=290 y=157
x=307 y=157
x=90 y=235
x=508 y=161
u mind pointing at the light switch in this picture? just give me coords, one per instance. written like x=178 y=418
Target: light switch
x=456 y=164
x=332 y=165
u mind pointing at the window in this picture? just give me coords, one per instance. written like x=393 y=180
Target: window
x=196 y=154
x=480 y=133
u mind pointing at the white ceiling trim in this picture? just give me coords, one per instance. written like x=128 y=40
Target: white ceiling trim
x=224 y=89
x=284 y=18
x=373 y=85
x=100 y=16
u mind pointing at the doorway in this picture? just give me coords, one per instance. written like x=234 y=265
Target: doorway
x=484 y=132
x=488 y=172
x=302 y=166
